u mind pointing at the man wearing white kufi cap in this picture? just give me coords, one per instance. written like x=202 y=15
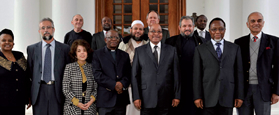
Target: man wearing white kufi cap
x=128 y=45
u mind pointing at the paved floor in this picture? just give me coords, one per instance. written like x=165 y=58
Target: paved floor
x=274 y=110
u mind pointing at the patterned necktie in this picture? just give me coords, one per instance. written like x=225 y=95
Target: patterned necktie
x=218 y=50
x=47 y=65
x=156 y=53
x=255 y=38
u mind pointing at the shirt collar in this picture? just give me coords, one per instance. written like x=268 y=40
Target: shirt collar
x=152 y=45
x=51 y=43
x=214 y=42
x=198 y=30
x=104 y=32
x=259 y=36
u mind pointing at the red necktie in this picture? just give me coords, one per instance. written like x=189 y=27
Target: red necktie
x=255 y=38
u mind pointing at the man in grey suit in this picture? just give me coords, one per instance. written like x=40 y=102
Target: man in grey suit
x=98 y=39
x=155 y=75
x=218 y=75
x=153 y=17
x=46 y=62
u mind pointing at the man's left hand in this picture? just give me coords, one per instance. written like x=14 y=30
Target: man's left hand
x=238 y=103
x=175 y=102
x=274 y=99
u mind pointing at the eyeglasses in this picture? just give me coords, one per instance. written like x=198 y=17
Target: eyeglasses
x=153 y=32
x=47 y=27
x=215 y=29
x=116 y=37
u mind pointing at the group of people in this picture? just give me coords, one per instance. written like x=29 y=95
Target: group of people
x=146 y=73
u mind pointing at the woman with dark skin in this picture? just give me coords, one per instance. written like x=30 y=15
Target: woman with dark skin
x=14 y=81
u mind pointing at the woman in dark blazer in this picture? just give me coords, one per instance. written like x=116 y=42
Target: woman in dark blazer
x=79 y=86
x=14 y=82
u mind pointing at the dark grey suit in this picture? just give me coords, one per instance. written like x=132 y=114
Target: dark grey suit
x=218 y=83
x=98 y=41
x=165 y=33
x=156 y=85
x=34 y=61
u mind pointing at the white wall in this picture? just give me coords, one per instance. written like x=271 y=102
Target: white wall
x=23 y=16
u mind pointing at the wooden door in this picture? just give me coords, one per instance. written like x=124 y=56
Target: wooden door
x=123 y=12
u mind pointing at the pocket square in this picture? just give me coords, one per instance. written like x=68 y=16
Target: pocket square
x=267 y=48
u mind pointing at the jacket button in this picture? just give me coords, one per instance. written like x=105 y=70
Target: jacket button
x=16 y=79
x=247 y=80
x=248 y=62
x=16 y=89
x=16 y=70
x=247 y=71
x=117 y=76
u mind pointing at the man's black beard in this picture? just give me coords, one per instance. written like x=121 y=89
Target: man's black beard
x=186 y=36
x=107 y=28
x=47 y=38
x=137 y=38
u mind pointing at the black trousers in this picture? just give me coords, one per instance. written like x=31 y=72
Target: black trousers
x=217 y=110
x=47 y=103
x=12 y=110
x=118 y=110
x=154 y=111
x=253 y=101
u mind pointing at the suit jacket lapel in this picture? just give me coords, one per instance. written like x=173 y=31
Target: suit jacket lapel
x=225 y=52
x=150 y=54
x=39 y=55
x=56 y=54
x=108 y=55
x=162 y=55
x=263 y=44
x=211 y=49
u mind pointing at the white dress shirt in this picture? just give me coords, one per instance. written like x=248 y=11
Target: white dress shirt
x=215 y=46
x=158 y=49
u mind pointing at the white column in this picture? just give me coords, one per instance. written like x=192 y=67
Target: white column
x=62 y=14
x=26 y=23
x=87 y=10
x=45 y=9
x=272 y=22
x=219 y=8
x=236 y=22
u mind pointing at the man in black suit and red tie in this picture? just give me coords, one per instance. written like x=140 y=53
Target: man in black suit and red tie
x=260 y=65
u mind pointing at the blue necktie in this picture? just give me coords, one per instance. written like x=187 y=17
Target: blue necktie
x=218 y=50
x=47 y=65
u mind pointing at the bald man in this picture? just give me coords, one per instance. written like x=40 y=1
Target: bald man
x=260 y=66
x=77 y=32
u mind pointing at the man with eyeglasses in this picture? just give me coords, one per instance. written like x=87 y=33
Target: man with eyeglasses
x=112 y=72
x=46 y=62
x=153 y=17
x=77 y=32
x=155 y=75
x=129 y=44
x=260 y=54
x=185 y=44
x=218 y=81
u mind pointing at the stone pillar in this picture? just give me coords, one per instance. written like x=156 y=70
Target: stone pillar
x=62 y=14
x=26 y=23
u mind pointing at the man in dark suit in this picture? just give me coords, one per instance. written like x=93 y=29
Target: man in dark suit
x=155 y=75
x=77 y=32
x=218 y=77
x=185 y=44
x=260 y=66
x=98 y=39
x=154 y=18
x=112 y=72
x=200 y=31
x=46 y=63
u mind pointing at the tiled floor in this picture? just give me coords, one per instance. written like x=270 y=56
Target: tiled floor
x=274 y=110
